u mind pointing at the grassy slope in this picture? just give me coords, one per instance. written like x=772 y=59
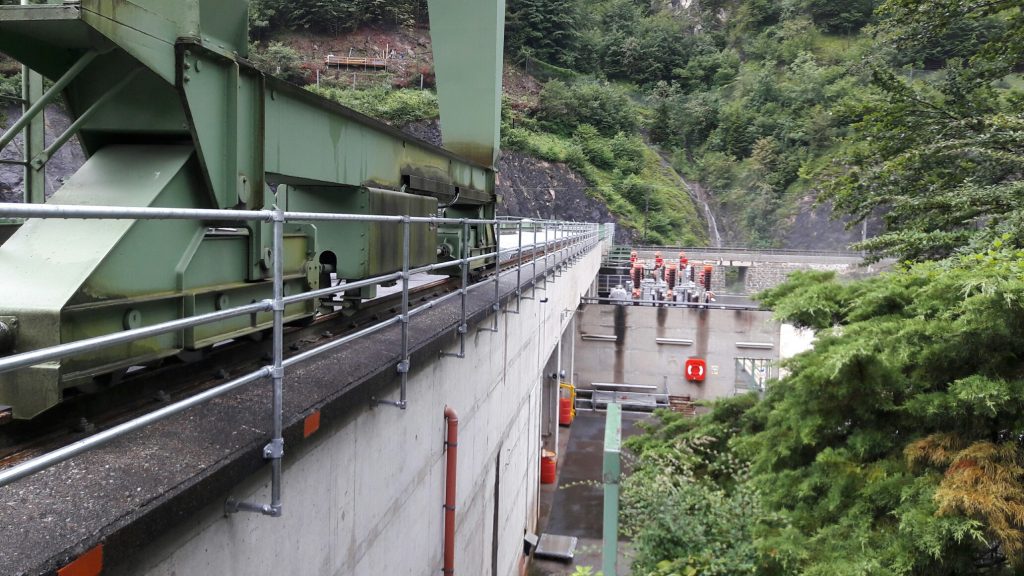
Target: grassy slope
x=677 y=219
x=677 y=207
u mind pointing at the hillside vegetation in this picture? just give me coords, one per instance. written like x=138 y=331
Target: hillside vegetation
x=591 y=125
x=894 y=447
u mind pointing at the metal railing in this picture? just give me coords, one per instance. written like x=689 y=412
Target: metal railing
x=619 y=255
x=669 y=250
x=571 y=240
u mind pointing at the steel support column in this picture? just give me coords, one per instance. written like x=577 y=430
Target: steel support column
x=35 y=134
x=611 y=475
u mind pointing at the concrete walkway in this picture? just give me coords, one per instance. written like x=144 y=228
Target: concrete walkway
x=574 y=505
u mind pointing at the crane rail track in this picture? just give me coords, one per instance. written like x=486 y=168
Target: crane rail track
x=188 y=374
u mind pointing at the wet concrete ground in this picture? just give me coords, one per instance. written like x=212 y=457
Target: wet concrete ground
x=573 y=506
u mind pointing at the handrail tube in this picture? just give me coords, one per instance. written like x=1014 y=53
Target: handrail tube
x=303 y=296
x=435 y=302
x=125 y=213
x=96 y=440
x=303 y=356
x=34 y=357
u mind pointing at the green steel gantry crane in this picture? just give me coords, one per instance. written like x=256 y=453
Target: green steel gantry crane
x=171 y=114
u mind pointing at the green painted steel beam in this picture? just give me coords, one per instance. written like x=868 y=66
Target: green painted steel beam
x=467 y=37
x=210 y=93
x=35 y=136
x=170 y=113
x=611 y=476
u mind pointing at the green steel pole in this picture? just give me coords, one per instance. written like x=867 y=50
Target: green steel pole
x=35 y=134
x=611 y=476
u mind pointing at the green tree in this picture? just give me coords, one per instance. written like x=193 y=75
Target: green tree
x=279 y=60
x=846 y=17
x=547 y=29
x=893 y=447
x=564 y=107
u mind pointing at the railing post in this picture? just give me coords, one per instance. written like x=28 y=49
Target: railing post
x=463 y=291
x=536 y=244
x=547 y=251
x=274 y=451
x=533 y=262
x=559 y=252
x=496 y=307
x=404 y=362
x=519 y=269
x=611 y=477
x=403 y=366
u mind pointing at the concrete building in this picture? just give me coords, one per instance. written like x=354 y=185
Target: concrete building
x=649 y=346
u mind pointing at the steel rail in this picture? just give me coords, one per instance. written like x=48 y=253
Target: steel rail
x=59 y=455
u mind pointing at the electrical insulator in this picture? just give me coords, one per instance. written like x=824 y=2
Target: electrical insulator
x=706 y=275
x=689 y=273
x=658 y=260
x=670 y=277
x=637 y=275
x=683 y=260
x=632 y=257
x=700 y=278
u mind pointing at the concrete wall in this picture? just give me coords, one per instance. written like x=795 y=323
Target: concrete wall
x=365 y=498
x=634 y=357
x=770 y=274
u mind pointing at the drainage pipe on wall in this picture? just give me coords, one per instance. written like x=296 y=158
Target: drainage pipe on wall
x=451 y=444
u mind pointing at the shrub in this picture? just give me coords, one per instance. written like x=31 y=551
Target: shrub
x=628 y=152
x=596 y=148
x=279 y=60
x=398 y=107
x=563 y=108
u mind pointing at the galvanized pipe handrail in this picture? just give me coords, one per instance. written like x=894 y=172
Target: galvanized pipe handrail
x=81 y=212
x=583 y=240
x=321 y=292
x=26 y=359
x=129 y=213
x=313 y=352
x=59 y=455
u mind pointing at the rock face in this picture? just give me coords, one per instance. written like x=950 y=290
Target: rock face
x=537 y=189
x=64 y=163
x=815 y=227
